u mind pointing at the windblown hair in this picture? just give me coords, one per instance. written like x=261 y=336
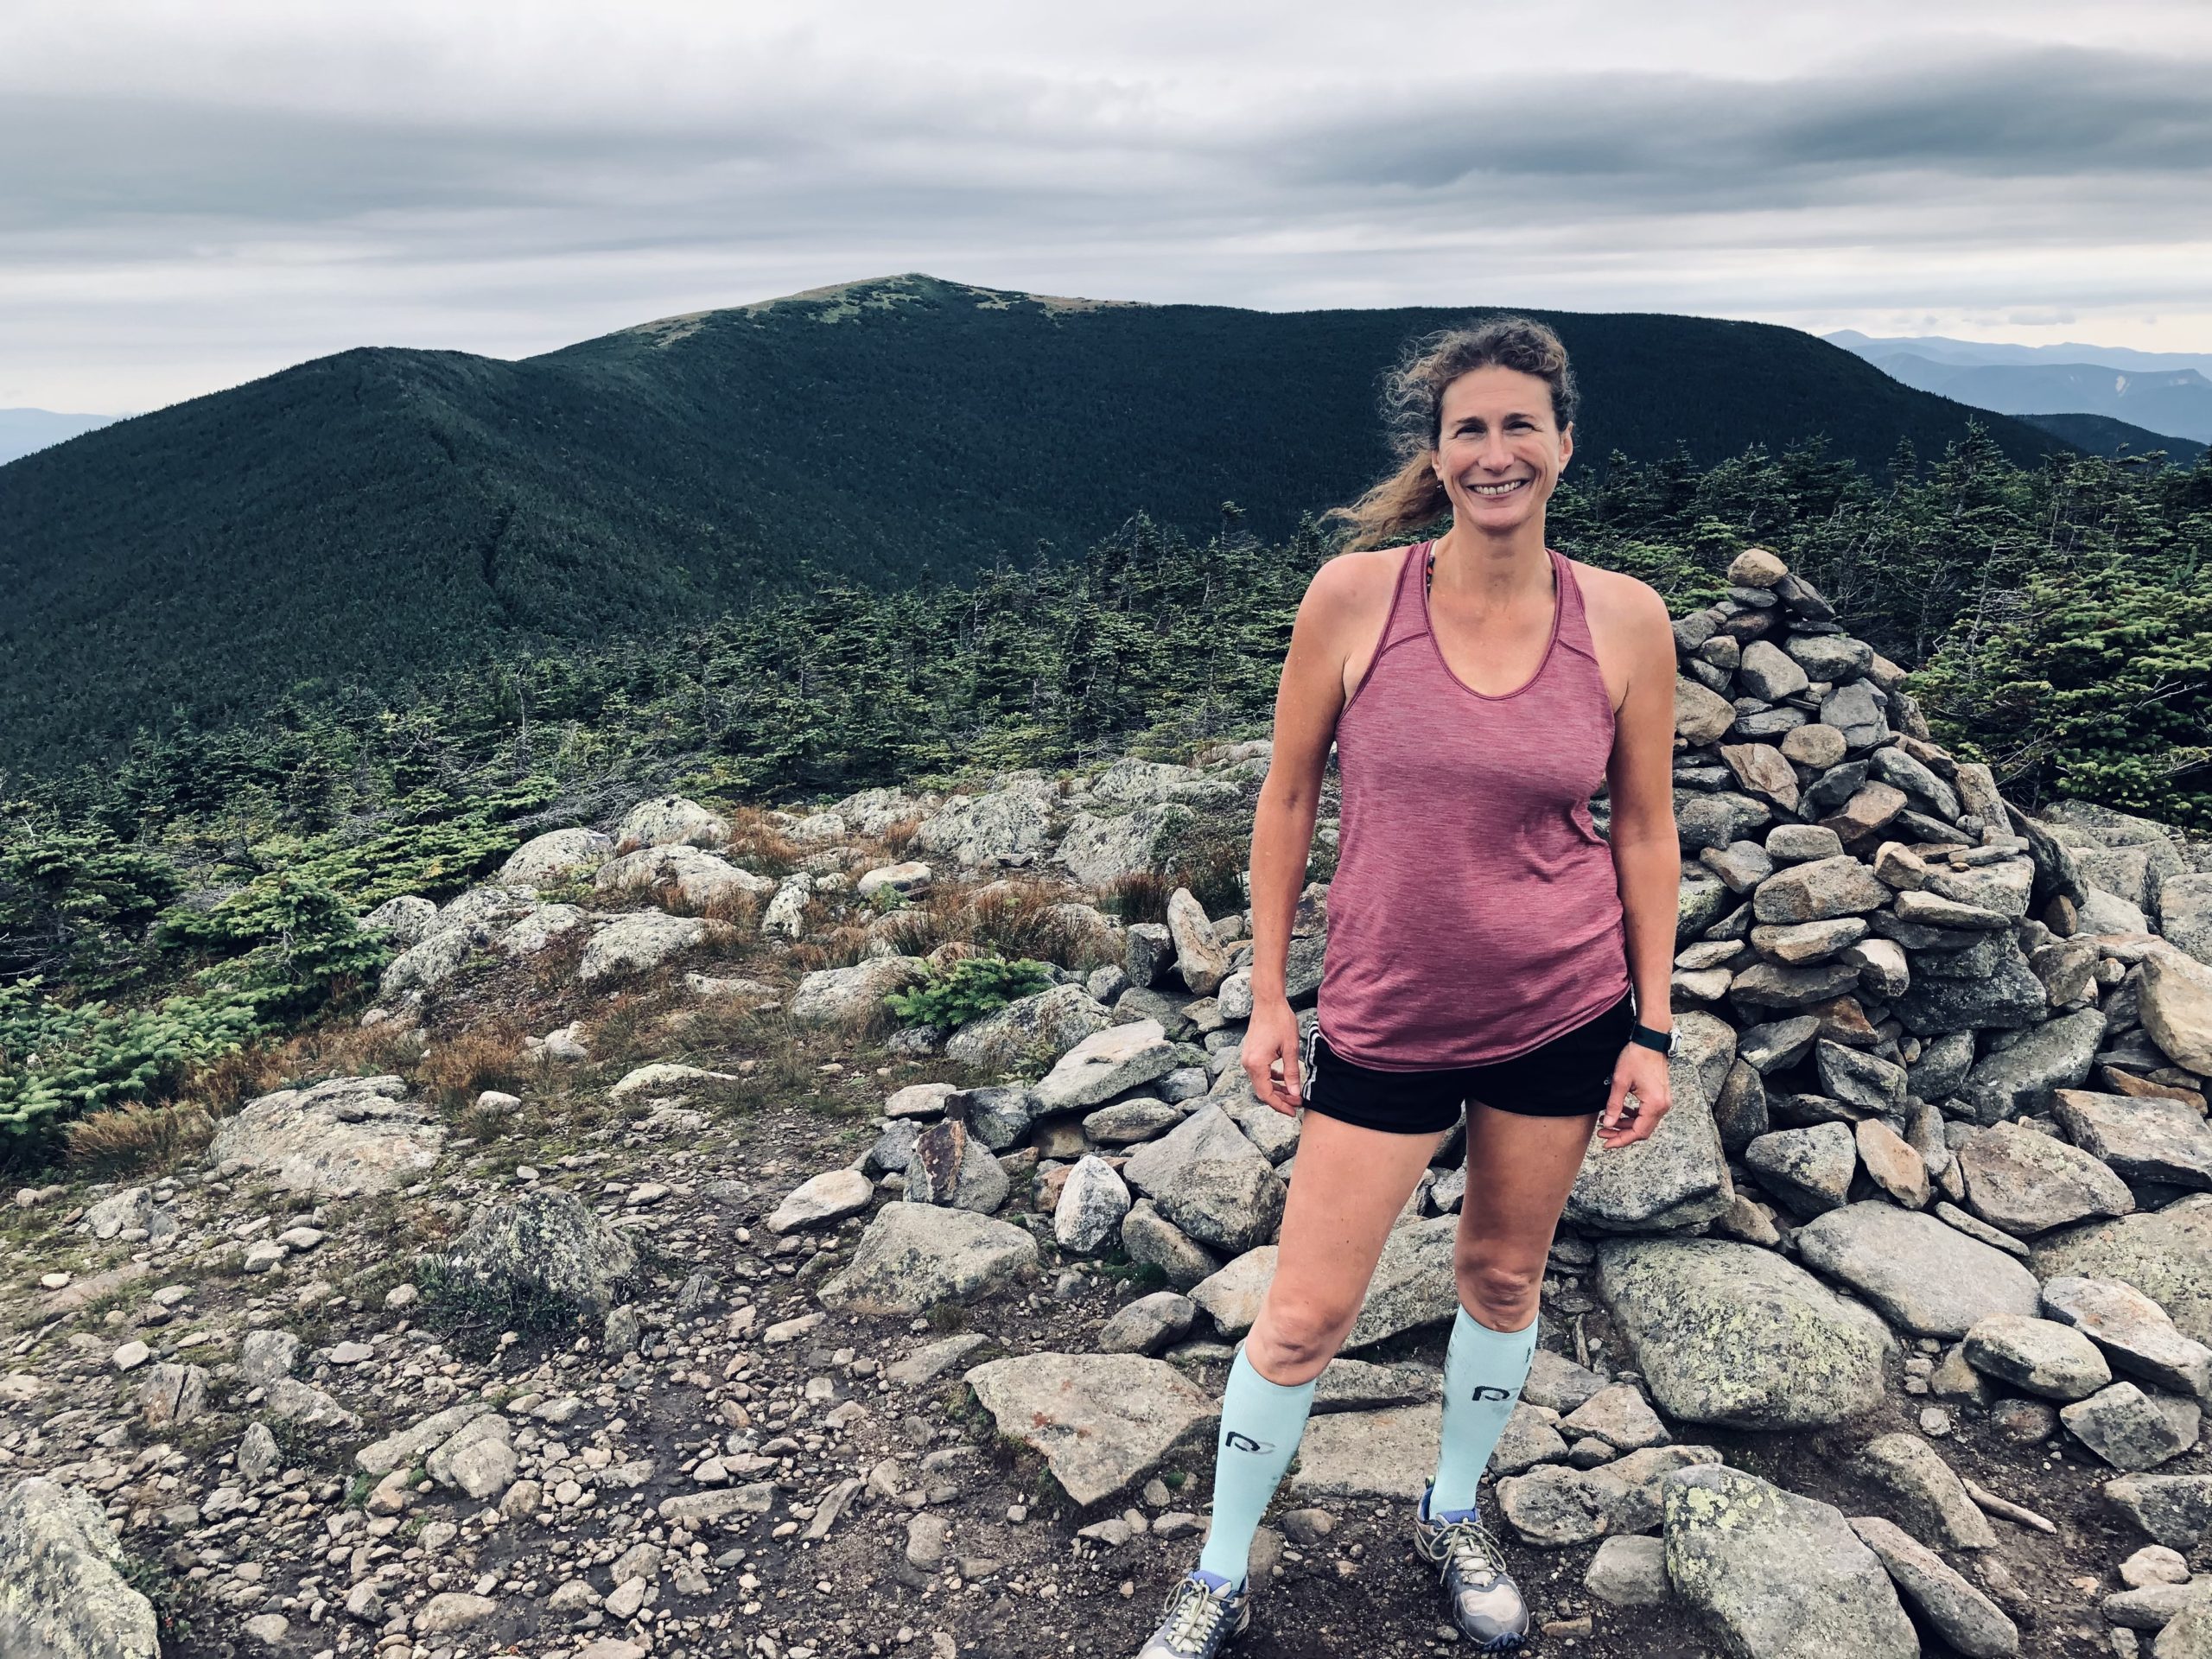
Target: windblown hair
x=1413 y=410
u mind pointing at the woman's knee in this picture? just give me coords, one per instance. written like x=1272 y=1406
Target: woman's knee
x=1299 y=1336
x=1501 y=1294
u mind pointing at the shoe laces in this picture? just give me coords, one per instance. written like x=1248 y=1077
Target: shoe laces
x=1467 y=1545
x=1194 y=1612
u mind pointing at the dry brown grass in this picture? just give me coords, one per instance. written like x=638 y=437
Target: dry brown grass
x=461 y=1066
x=127 y=1140
x=840 y=947
x=1011 y=917
x=899 y=837
x=760 y=843
x=1139 y=896
x=1210 y=864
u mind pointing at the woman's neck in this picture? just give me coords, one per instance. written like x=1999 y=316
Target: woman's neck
x=1495 y=570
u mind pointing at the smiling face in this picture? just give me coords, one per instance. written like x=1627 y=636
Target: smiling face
x=1499 y=451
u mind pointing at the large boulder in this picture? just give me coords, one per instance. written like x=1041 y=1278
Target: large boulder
x=1929 y=1278
x=1002 y=826
x=545 y=1247
x=1735 y=1335
x=1678 y=1176
x=854 y=996
x=1031 y=1031
x=62 y=1592
x=2166 y=1254
x=1099 y=848
x=1776 y=1575
x=670 y=820
x=1208 y=1178
x=2176 y=1006
x=343 y=1138
x=2026 y=1182
x=699 y=879
x=1103 y=1421
x=559 y=853
x=914 y=1255
x=642 y=941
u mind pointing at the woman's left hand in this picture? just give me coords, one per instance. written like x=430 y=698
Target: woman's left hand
x=1640 y=1096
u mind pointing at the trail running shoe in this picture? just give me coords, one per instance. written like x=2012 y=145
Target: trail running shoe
x=1487 y=1604
x=1203 y=1616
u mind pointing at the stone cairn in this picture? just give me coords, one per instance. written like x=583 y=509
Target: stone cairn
x=1938 y=1139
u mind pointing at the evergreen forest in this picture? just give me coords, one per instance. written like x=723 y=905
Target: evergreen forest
x=159 y=909
x=365 y=521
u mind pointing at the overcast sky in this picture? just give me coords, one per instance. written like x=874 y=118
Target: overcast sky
x=200 y=192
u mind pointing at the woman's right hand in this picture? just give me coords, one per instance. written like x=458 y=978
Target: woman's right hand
x=1271 y=1046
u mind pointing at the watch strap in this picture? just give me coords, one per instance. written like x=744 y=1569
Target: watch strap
x=1663 y=1041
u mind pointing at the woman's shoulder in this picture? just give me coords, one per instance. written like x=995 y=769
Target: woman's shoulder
x=1358 y=579
x=1618 y=604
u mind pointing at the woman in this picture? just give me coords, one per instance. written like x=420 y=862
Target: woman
x=1486 y=946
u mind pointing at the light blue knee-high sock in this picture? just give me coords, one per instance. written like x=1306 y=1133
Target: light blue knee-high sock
x=1484 y=1370
x=1260 y=1424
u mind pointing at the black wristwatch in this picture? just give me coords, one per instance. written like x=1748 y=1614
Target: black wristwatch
x=1663 y=1041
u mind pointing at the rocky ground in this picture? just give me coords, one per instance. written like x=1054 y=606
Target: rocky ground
x=623 y=1282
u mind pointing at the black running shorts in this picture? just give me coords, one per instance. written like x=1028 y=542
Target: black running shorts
x=1568 y=1076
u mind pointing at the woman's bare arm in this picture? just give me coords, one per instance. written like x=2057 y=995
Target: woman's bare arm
x=1307 y=701
x=1647 y=852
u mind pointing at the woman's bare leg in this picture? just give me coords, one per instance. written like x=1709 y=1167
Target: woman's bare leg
x=1349 y=1186
x=1519 y=1170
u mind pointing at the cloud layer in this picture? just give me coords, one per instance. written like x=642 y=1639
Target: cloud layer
x=195 y=198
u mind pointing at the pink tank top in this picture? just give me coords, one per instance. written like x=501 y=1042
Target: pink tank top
x=1475 y=913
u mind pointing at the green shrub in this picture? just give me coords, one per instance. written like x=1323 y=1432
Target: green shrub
x=968 y=989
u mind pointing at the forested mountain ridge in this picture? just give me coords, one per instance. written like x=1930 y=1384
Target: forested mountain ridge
x=370 y=516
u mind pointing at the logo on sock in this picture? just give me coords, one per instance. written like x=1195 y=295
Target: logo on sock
x=1236 y=1442
x=1482 y=1391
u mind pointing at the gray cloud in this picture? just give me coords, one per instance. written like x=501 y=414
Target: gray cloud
x=171 y=227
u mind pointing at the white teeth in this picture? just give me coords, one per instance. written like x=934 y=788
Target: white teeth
x=1498 y=489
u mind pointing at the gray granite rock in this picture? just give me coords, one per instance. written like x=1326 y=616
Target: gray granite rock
x=1678 y=1176
x=2135 y=1334
x=1962 y=1614
x=63 y=1594
x=2133 y=1430
x=1733 y=1334
x=914 y=1255
x=1808 y=1169
x=2020 y=1077
x=1776 y=1575
x=545 y=1244
x=1923 y=1491
x=2166 y=1254
x=2039 y=1357
x=1104 y=1422
x=1927 y=1278
x=2139 y=1138
x=2027 y=1182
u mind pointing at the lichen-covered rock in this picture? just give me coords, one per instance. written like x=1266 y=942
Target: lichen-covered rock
x=1929 y=1280
x=347 y=1136
x=641 y=942
x=854 y=996
x=914 y=1255
x=544 y=1244
x=1733 y=1334
x=2027 y=1182
x=1031 y=1031
x=670 y=820
x=1777 y=1576
x=62 y=1592
x=556 y=855
x=1103 y=1421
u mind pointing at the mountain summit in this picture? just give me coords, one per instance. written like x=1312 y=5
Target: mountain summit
x=368 y=516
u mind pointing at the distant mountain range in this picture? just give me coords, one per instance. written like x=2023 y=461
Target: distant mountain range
x=2158 y=391
x=26 y=431
x=2100 y=435
x=368 y=516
